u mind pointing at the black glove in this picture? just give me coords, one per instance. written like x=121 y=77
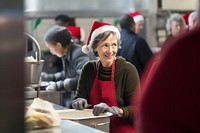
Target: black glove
x=79 y=103
x=100 y=108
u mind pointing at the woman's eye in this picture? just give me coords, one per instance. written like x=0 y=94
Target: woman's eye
x=105 y=45
x=114 y=44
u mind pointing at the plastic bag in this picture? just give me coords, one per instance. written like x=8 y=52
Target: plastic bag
x=41 y=114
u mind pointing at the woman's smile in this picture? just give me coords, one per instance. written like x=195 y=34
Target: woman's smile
x=107 y=50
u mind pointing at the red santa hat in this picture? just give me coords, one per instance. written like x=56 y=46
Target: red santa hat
x=98 y=28
x=77 y=32
x=185 y=17
x=136 y=16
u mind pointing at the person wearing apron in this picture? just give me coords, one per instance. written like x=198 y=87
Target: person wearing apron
x=109 y=83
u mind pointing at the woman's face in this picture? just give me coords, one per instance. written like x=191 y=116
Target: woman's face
x=55 y=49
x=177 y=28
x=107 y=50
x=193 y=24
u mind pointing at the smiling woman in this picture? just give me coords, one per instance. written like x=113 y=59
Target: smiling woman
x=107 y=49
x=103 y=41
x=101 y=83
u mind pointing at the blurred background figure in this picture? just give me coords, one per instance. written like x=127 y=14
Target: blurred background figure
x=139 y=21
x=175 y=26
x=170 y=103
x=77 y=34
x=193 y=20
x=186 y=17
x=59 y=41
x=52 y=62
x=64 y=20
x=133 y=47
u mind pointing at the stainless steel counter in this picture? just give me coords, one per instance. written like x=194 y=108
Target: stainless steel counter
x=68 y=126
x=51 y=96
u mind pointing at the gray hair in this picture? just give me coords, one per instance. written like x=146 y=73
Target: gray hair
x=174 y=17
x=102 y=37
x=192 y=17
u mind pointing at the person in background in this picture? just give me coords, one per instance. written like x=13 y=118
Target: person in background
x=139 y=21
x=109 y=83
x=170 y=103
x=193 y=20
x=59 y=41
x=53 y=63
x=133 y=47
x=175 y=26
x=64 y=20
x=185 y=17
x=77 y=34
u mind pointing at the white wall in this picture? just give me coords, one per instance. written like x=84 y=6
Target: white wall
x=180 y=4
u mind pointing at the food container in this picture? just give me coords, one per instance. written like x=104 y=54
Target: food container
x=33 y=67
x=86 y=117
x=33 y=71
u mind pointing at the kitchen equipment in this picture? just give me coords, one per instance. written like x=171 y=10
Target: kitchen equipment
x=86 y=117
x=33 y=68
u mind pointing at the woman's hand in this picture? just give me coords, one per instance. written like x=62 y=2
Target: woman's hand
x=103 y=107
x=100 y=108
x=80 y=103
x=116 y=111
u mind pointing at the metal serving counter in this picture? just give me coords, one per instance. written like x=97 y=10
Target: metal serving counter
x=68 y=126
x=51 y=96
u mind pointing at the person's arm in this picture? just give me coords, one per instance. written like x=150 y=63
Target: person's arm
x=70 y=84
x=131 y=86
x=58 y=76
x=52 y=77
x=85 y=81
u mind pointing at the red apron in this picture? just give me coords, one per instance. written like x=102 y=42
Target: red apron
x=104 y=91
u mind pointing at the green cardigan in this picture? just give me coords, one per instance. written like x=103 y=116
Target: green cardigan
x=126 y=83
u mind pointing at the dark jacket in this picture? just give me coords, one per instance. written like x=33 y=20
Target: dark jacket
x=72 y=62
x=134 y=49
x=168 y=39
